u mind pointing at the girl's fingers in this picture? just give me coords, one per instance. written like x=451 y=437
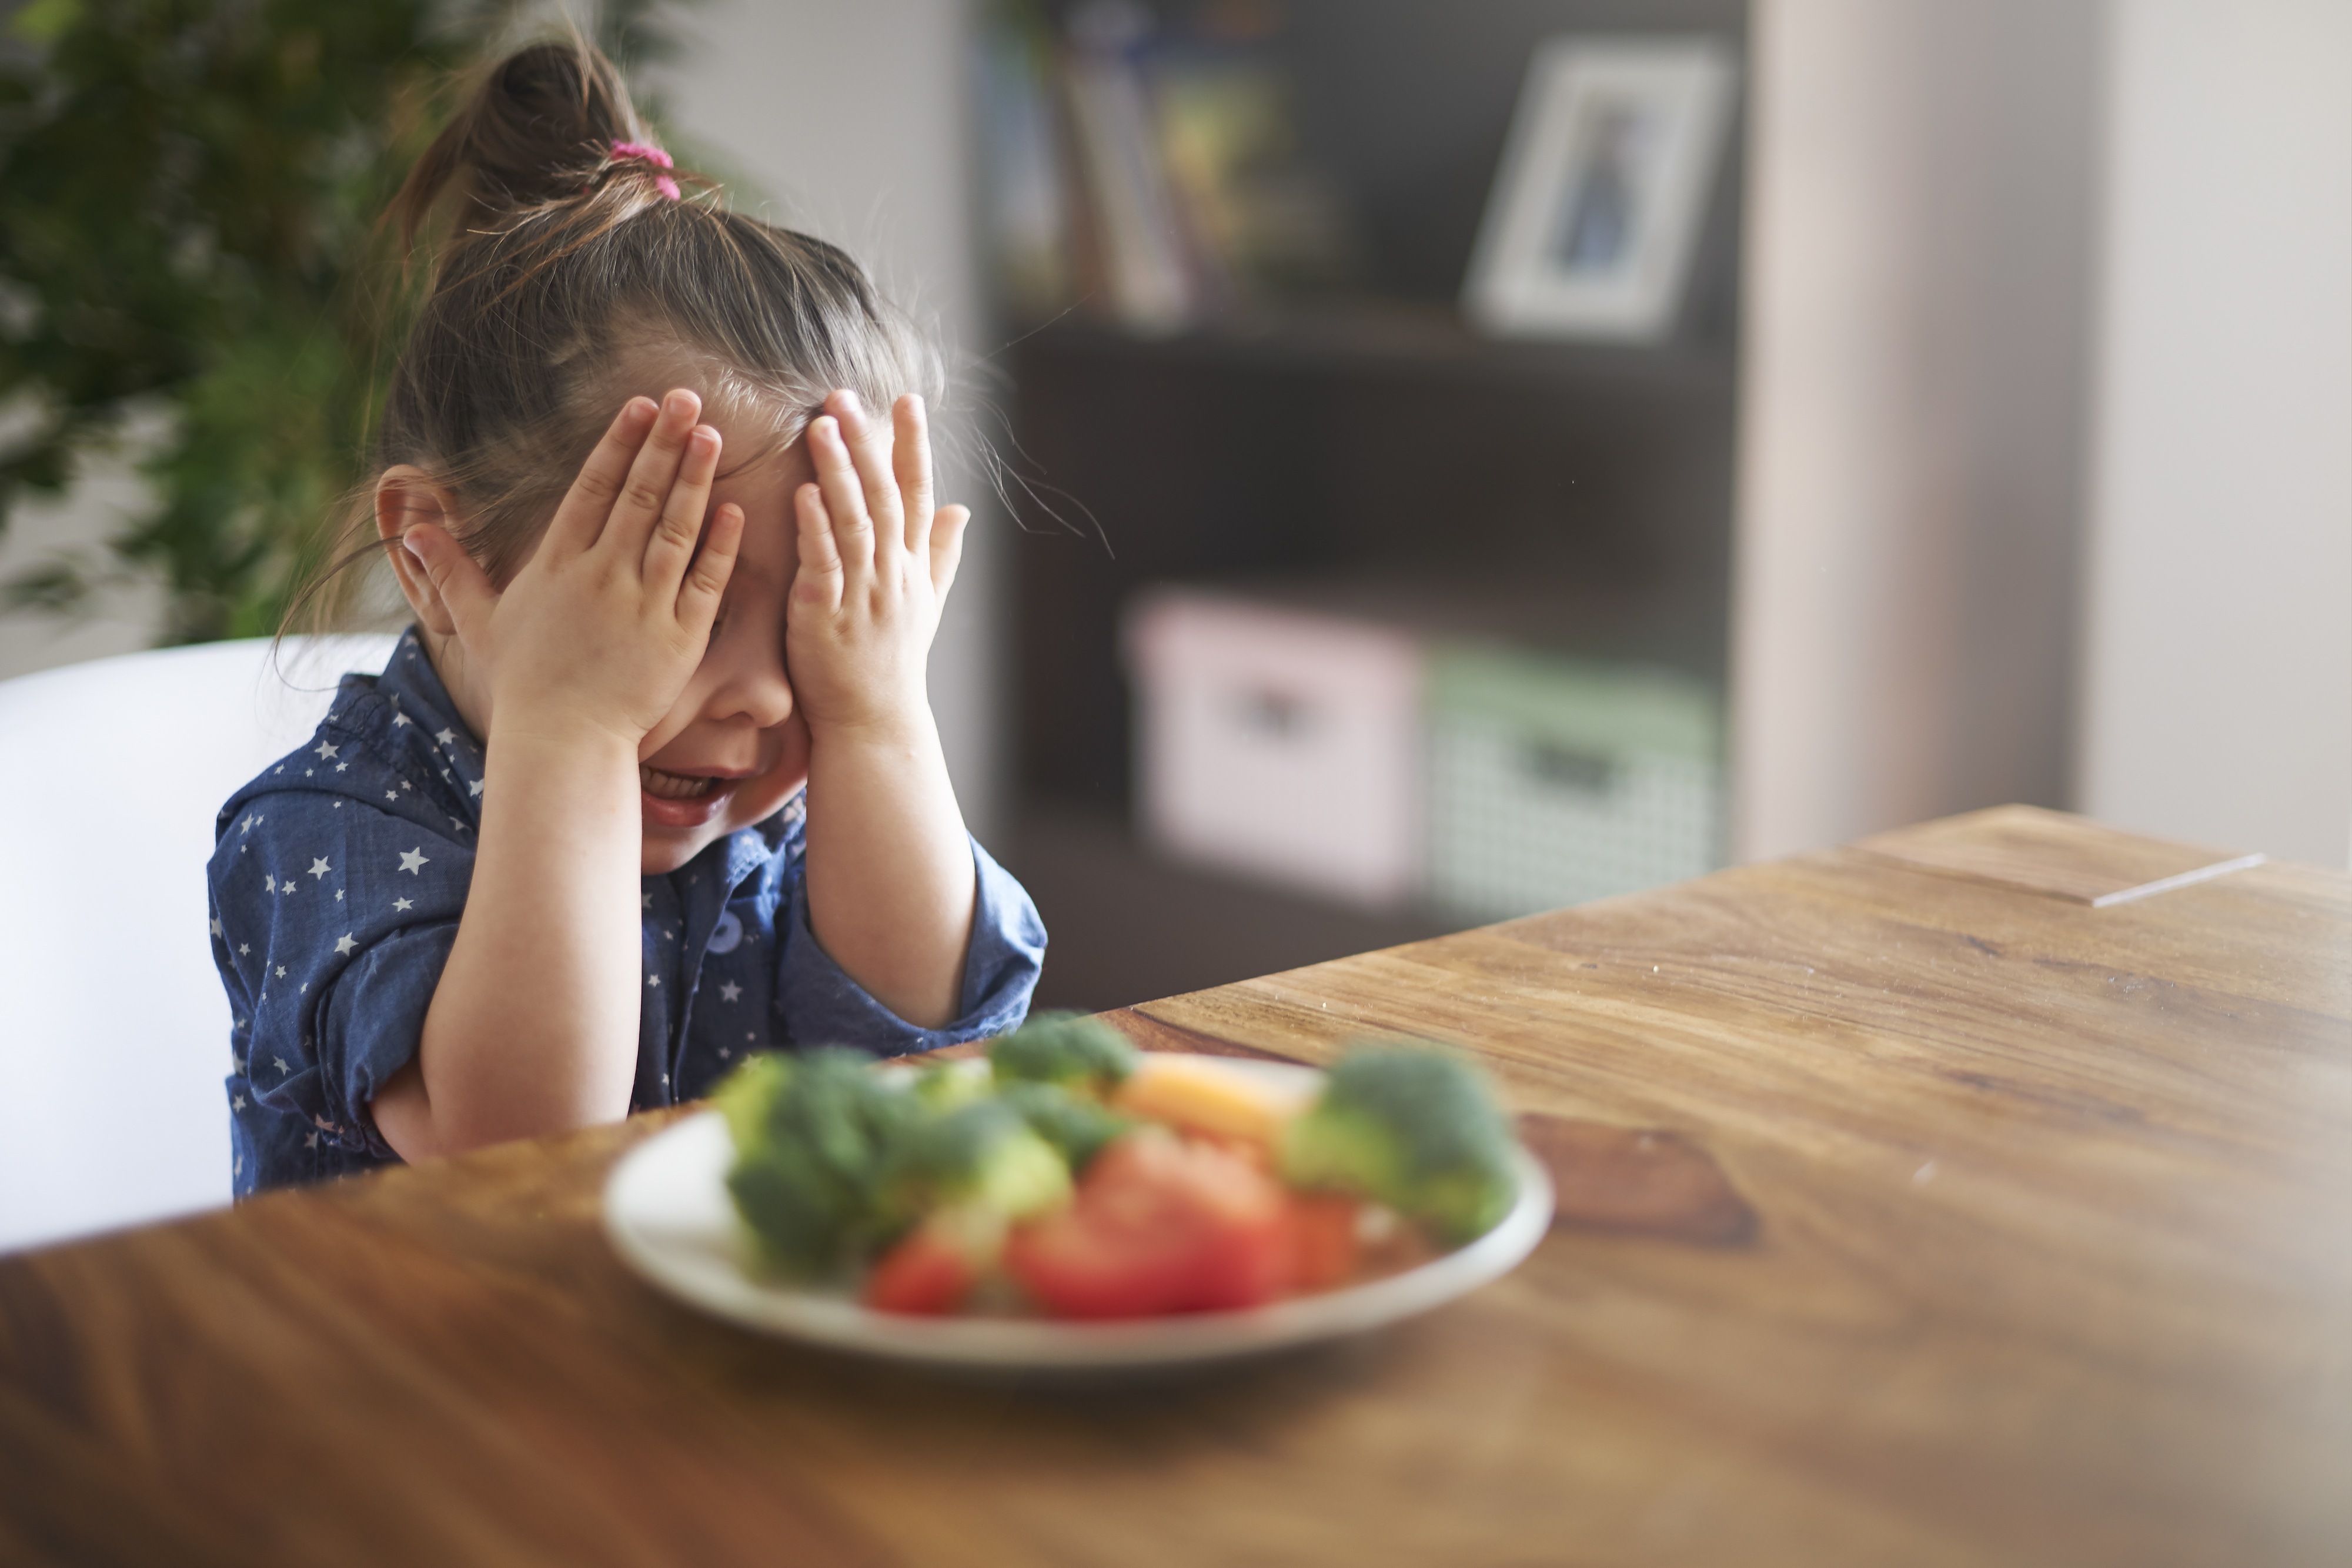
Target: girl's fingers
x=463 y=589
x=947 y=548
x=652 y=474
x=871 y=446
x=823 y=573
x=580 y=518
x=705 y=580
x=910 y=456
x=671 y=549
x=851 y=528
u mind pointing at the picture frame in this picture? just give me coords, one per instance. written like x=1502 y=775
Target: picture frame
x=1596 y=206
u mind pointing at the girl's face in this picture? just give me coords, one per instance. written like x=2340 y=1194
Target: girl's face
x=735 y=747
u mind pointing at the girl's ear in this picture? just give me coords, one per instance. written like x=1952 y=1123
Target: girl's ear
x=405 y=498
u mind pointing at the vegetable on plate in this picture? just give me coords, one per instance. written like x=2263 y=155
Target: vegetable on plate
x=1069 y=1174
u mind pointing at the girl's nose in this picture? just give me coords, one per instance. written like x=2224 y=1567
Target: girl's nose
x=755 y=687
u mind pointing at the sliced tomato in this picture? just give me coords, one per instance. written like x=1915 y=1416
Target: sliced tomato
x=935 y=1266
x=1324 y=1248
x=1159 y=1225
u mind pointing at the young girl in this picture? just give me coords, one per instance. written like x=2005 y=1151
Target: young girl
x=653 y=780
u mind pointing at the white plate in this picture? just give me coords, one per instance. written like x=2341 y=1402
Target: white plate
x=668 y=1214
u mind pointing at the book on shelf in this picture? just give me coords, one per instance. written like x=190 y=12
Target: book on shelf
x=1154 y=182
x=1024 y=218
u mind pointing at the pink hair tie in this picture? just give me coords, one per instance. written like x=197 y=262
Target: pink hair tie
x=652 y=155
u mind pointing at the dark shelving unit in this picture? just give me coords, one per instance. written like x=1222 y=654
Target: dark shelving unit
x=1364 y=450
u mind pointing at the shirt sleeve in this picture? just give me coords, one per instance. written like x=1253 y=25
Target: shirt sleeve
x=820 y=1005
x=336 y=920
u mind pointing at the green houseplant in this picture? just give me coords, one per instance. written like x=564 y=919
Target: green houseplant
x=188 y=197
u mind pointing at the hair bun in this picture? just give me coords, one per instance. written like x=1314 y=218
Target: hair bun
x=543 y=126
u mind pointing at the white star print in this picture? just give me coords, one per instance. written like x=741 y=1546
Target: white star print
x=338 y=895
x=319 y=866
x=476 y=786
x=326 y=751
x=310 y=1141
x=647 y=899
x=282 y=1064
x=281 y=971
x=268 y=883
x=346 y=944
x=216 y=926
x=400 y=903
x=243 y=948
x=343 y=768
x=238 y=1103
x=447 y=737
x=410 y=860
x=398 y=719
x=287 y=888
x=730 y=992
x=390 y=795
x=653 y=980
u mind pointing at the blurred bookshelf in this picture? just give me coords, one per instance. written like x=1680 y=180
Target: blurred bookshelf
x=1336 y=442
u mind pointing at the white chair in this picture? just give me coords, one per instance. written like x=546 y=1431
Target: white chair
x=113 y=1029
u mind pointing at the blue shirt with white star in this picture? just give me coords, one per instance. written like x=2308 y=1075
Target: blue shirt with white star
x=337 y=877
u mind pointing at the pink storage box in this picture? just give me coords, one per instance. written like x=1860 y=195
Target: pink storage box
x=1278 y=743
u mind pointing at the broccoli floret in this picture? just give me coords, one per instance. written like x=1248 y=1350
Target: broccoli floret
x=1412 y=1128
x=1080 y=1053
x=747 y=1097
x=810 y=1131
x=1076 y=1127
x=944 y=1086
x=983 y=1155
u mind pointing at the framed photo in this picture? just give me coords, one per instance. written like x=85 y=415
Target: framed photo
x=1603 y=185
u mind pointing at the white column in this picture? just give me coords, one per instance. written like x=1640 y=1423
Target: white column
x=1913 y=387
x=2218 y=651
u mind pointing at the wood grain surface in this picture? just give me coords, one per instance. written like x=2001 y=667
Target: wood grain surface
x=2049 y=1265
x=2042 y=851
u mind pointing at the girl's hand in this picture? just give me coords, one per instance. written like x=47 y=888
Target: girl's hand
x=600 y=631
x=876 y=562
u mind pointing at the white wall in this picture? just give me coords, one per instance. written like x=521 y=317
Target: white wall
x=851 y=118
x=2218 y=648
x=1917 y=318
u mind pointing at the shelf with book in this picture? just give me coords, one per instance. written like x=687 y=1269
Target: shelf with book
x=1319 y=427
x=1417 y=339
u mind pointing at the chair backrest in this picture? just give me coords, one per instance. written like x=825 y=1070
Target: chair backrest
x=114 y=1028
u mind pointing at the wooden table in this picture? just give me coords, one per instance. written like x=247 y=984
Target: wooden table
x=2052 y=1263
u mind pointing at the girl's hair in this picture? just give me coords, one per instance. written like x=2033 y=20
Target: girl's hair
x=576 y=272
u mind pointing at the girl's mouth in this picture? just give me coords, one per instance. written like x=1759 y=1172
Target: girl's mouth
x=680 y=800
x=665 y=786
